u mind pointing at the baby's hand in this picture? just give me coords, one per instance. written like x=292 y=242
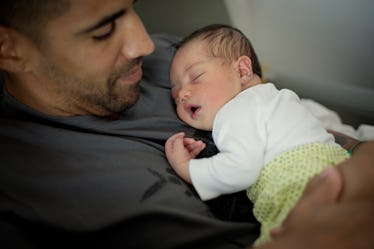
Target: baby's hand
x=179 y=151
x=193 y=146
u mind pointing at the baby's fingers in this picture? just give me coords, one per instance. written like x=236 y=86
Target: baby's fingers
x=193 y=146
x=174 y=141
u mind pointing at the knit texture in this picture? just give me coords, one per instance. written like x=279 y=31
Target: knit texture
x=282 y=182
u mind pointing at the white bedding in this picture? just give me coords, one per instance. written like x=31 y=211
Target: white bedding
x=331 y=120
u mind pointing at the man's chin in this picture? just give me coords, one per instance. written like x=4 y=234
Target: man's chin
x=129 y=105
x=126 y=103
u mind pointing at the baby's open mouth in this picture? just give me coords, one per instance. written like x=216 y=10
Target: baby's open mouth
x=193 y=110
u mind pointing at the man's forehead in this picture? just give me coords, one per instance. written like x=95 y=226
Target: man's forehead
x=86 y=13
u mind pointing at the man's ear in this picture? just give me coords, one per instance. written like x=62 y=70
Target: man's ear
x=245 y=69
x=9 y=59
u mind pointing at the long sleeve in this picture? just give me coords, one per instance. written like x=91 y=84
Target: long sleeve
x=249 y=131
x=240 y=136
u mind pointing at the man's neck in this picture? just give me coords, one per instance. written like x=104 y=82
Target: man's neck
x=34 y=98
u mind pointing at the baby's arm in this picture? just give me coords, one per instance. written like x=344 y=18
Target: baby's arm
x=179 y=151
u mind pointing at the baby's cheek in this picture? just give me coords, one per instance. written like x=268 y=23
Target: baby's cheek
x=180 y=112
x=174 y=95
x=183 y=115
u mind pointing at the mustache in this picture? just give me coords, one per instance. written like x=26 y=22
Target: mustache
x=124 y=69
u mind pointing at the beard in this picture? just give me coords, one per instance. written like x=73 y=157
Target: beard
x=89 y=95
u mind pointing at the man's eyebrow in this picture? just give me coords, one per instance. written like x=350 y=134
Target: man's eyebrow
x=104 y=21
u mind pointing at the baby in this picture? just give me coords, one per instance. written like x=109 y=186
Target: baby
x=269 y=143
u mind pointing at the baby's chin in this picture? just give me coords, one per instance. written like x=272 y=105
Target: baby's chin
x=199 y=125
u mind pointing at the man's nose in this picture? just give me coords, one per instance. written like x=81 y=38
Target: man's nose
x=137 y=42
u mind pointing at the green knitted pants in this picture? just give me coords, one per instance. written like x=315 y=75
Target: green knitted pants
x=282 y=182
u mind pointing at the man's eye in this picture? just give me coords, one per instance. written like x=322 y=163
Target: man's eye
x=104 y=32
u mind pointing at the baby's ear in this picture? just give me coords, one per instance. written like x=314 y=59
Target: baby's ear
x=9 y=59
x=245 y=69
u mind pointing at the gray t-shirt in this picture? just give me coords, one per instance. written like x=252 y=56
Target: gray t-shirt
x=86 y=173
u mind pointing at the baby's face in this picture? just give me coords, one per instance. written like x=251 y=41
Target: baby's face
x=201 y=84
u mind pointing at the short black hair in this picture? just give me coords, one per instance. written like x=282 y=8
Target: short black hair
x=225 y=41
x=30 y=16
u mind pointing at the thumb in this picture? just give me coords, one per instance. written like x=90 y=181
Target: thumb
x=323 y=189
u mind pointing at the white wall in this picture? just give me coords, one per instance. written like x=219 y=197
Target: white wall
x=181 y=17
x=323 y=49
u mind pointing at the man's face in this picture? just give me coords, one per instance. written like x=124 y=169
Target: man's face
x=90 y=62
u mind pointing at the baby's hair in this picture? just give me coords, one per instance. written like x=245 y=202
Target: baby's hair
x=226 y=42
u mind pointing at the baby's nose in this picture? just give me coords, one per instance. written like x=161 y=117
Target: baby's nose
x=184 y=94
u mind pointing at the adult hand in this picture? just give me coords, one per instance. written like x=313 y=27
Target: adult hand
x=336 y=209
x=345 y=227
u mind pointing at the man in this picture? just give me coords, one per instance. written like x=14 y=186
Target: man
x=82 y=140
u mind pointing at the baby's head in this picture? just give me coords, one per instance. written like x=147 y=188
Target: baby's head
x=224 y=41
x=210 y=67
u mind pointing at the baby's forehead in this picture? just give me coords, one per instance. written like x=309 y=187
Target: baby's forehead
x=212 y=48
x=197 y=43
x=189 y=54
